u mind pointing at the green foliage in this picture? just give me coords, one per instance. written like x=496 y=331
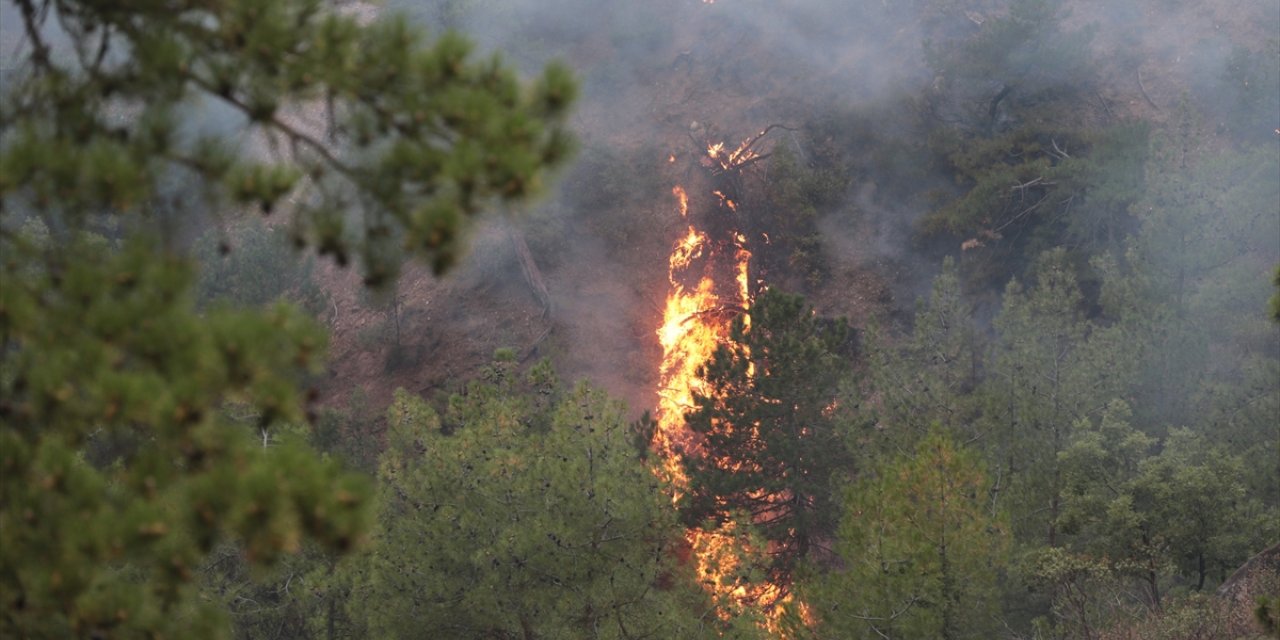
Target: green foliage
x=1086 y=592
x=419 y=136
x=344 y=432
x=1188 y=287
x=255 y=266
x=1196 y=494
x=1034 y=189
x=1275 y=298
x=1014 y=62
x=123 y=468
x=1092 y=598
x=1050 y=367
x=299 y=597
x=1267 y=614
x=107 y=359
x=1183 y=511
x=608 y=187
x=1196 y=616
x=928 y=377
x=921 y=549
x=794 y=196
x=766 y=425
x=1203 y=213
x=533 y=516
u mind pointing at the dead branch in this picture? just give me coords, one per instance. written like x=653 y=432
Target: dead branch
x=722 y=309
x=658 y=307
x=1022 y=213
x=751 y=142
x=1060 y=153
x=531 y=272
x=1023 y=186
x=743 y=148
x=533 y=346
x=1104 y=104
x=1143 y=88
x=800 y=150
x=750 y=161
x=700 y=146
x=993 y=108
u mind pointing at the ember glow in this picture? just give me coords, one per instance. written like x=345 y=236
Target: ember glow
x=709 y=285
x=682 y=198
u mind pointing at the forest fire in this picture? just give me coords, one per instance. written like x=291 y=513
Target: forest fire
x=709 y=285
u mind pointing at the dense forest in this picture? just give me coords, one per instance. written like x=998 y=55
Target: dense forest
x=805 y=319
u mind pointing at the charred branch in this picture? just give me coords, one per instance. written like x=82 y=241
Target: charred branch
x=1142 y=87
x=532 y=274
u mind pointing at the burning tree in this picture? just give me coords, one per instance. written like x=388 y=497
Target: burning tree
x=764 y=423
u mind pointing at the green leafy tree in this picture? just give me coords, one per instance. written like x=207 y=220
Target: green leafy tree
x=1195 y=494
x=765 y=424
x=1267 y=614
x=1086 y=593
x=1187 y=289
x=1253 y=79
x=413 y=137
x=1275 y=298
x=255 y=265
x=525 y=511
x=1183 y=511
x=921 y=551
x=1050 y=367
x=1033 y=189
x=793 y=198
x=1208 y=227
x=121 y=469
x=122 y=465
x=1013 y=61
x=928 y=377
x=301 y=597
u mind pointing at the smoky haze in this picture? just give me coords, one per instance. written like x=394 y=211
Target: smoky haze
x=850 y=76
x=855 y=81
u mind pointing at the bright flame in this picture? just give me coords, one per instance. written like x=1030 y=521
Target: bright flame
x=693 y=325
x=731 y=160
x=682 y=198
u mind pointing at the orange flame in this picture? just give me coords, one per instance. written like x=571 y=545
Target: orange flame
x=690 y=332
x=683 y=199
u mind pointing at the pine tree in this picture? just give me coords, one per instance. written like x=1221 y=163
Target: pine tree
x=766 y=425
x=927 y=378
x=523 y=511
x=121 y=469
x=1183 y=511
x=372 y=142
x=1050 y=367
x=122 y=463
x=921 y=551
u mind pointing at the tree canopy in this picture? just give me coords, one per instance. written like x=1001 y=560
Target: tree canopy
x=136 y=431
x=374 y=142
x=921 y=547
x=765 y=422
x=524 y=511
